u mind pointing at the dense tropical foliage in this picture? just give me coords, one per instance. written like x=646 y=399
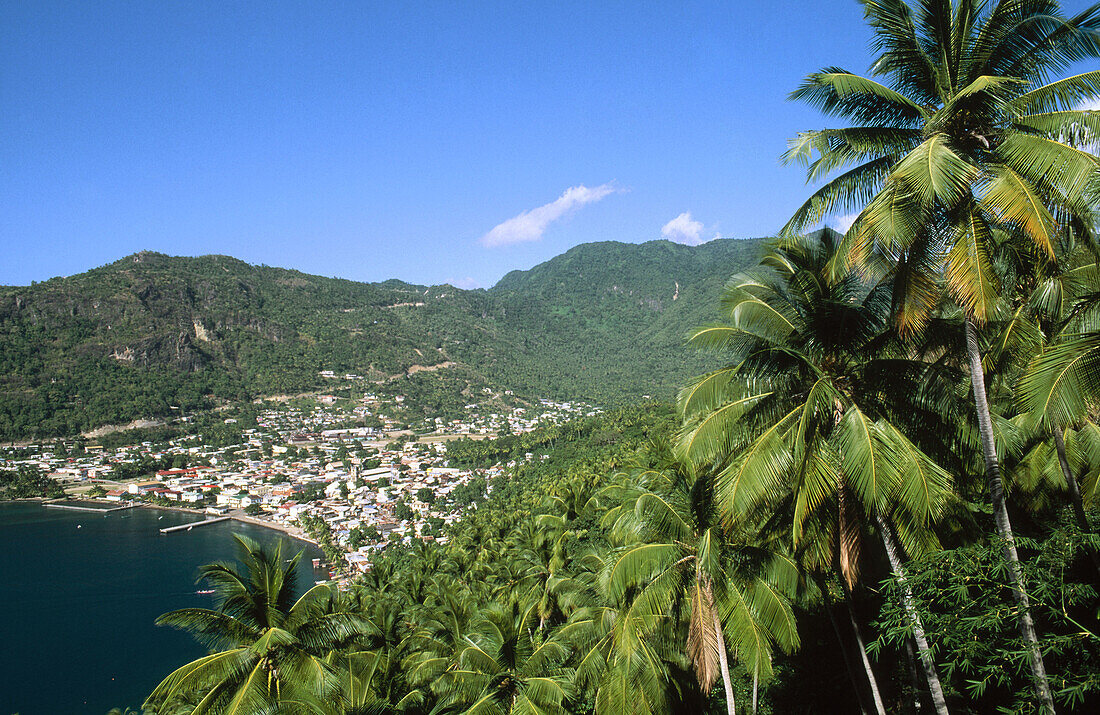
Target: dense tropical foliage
x=883 y=500
x=966 y=151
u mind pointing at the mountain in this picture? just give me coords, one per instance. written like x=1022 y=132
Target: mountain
x=607 y=320
x=603 y=322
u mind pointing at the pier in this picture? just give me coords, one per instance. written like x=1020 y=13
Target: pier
x=188 y=527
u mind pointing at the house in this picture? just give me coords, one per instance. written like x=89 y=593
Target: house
x=144 y=487
x=115 y=494
x=164 y=492
x=291 y=510
x=359 y=560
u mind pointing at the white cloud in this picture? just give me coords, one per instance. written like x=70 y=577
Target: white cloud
x=530 y=225
x=466 y=283
x=1091 y=104
x=842 y=223
x=683 y=229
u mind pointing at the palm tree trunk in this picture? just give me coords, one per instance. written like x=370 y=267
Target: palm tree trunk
x=843 y=650
x=914 y=679
x=1075 y=495
x=1071 y=481
x=731 y=707
x=755 y=686
x=930 y=674
x=879 y=707
x=1000 y=517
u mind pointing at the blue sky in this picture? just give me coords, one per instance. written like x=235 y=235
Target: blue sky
x=432 y=142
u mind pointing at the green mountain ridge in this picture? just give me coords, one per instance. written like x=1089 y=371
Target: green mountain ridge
x=603 y=322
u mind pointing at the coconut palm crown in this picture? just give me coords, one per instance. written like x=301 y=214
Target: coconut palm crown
x=813 y=405
x=957 y=136
x=269 y=647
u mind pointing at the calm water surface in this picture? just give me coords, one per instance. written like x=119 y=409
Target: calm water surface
x=77 y=634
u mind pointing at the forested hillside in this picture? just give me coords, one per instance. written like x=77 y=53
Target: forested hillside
x=604 y=322
x=607 y=321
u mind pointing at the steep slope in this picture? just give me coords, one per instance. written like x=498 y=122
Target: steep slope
x=607 y=320
x=603 y=321
x=150 y=331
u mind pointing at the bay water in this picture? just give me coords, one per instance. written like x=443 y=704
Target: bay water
x=79 y=592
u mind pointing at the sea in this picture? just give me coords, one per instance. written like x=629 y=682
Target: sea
x=79 y=592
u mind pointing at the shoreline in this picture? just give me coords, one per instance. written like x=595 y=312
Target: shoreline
x=292 y=532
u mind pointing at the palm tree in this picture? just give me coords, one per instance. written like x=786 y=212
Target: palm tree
x=440 y=636
x=1061 y=385
x=967 y=143
x=804 y=419
x=626 y=659
x=270 y=648
x=681 y=560
x=505 y=668
x=381 y=651
x=541 y=550
x=1051 y=308
x=569 y=505
x=1048 y=470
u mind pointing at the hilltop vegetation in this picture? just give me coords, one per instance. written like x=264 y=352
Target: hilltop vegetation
x=603 y=322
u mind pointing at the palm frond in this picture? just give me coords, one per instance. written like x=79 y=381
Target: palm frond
x=869 y=466
x=1063 y=382
x=846 y=192
x=935 y=173
x=1052 y=167
x=839 y=93
x=211 y=628
x=1015 y=202
x=702 y=637
x=1075 y=127
x=970 y=273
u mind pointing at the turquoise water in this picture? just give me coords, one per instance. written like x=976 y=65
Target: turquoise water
x=78 y=604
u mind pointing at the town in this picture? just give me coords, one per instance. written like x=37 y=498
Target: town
x=307 y=466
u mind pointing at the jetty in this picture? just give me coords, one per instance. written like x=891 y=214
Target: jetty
x=194 y=524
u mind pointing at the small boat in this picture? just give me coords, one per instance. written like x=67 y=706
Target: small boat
x=205 y=591
x=79 y=526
